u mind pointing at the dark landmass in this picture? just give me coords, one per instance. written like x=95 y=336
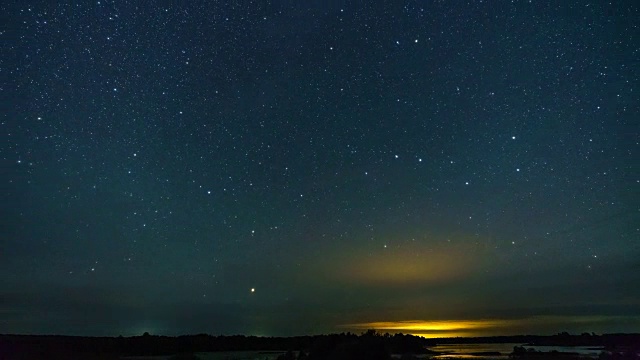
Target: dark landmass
x=369 y=345
x=20 y=347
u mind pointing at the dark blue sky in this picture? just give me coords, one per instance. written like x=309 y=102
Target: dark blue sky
x=352 y=163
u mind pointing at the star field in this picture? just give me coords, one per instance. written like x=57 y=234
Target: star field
x=273 y=168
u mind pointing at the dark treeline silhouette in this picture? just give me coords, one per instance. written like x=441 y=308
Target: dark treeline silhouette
x=369 y=345
x=334 y=346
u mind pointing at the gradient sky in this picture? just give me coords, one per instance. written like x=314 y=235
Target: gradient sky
x=441 y=168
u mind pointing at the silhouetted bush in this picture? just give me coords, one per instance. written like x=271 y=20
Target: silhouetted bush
x=519 y=351
x=362 y=349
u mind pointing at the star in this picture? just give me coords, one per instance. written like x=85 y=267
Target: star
x=261 y=126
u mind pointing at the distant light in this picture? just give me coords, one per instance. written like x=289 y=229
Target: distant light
x=253 y=290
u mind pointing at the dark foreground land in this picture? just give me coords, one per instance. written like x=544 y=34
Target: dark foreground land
x=369 y=346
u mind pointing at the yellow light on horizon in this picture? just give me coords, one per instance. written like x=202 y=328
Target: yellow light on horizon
x=478 y=327
x=433 y=328
x=443 y=335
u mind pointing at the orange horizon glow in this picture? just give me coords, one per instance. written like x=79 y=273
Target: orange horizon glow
x=470 y=328
x=433 y=328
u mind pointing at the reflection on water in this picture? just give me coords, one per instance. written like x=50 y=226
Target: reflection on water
x=466 y=351
x=449 y=351
x=591 y=351
x=466 y=356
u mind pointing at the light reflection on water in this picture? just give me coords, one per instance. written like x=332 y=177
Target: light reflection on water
x=591 y=351
x=464 y=351
x=465 y=356
x=453 y=351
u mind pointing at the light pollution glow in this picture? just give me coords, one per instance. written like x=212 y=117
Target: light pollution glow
x=411 y=264
x=432 y=329
x=471 y=328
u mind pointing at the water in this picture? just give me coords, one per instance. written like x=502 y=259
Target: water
x=466 y=350
x=223 y=355
x=240 y=355
x=591 y=351
x=457 y=351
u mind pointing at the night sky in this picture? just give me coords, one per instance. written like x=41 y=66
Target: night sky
x=437 y=168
